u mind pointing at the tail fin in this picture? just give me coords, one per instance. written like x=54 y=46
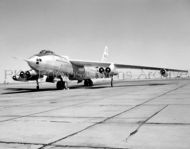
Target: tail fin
x=105 y=55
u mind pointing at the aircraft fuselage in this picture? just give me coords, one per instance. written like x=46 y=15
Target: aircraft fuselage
x=60 y=65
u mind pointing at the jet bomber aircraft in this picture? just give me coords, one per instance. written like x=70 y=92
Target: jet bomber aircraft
x=57 y=67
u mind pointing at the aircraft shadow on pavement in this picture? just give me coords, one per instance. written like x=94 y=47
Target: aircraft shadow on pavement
x=127 y=85
x=96 y=86
x=26 y=90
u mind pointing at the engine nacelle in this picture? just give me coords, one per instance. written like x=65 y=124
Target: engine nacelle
x=164 y=72
x=31 y=75
x=27 y=76
x=101 y=69
x=14 y=78
x=108 y=70
x=22 y=74
x=111 y=70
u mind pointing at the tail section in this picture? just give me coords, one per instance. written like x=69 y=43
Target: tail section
x=105 y=55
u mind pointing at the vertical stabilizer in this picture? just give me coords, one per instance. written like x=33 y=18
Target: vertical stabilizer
x=105 y=55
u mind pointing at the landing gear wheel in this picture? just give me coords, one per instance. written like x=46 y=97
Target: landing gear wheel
x=88 y=82
x=60 y=85
x=37 y=87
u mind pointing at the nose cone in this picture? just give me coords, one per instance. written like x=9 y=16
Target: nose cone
x=33 y=63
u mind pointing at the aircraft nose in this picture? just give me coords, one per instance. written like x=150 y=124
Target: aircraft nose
x=33 y=61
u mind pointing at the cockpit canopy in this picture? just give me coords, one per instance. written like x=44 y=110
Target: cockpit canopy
x=49 y=52
x=45 y=52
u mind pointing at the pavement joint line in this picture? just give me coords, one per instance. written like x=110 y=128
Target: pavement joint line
x=41 y=112
x=68 y=146
x=4 y=107
x=143 y=122
x=181 y=86
x=170 y=104
x=23 y=143
x=45 y=144
x=30 y=103
x=155 y=123
x=52 y=109
x=81 y=146
x=108 y=118
x=58 y=116
x=33 y=102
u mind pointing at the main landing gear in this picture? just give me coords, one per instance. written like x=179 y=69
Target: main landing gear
x=61 y=84
x=111 y=81
x=88 y=82
x=37 y=85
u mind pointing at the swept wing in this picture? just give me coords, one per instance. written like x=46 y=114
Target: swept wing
x=107 y=64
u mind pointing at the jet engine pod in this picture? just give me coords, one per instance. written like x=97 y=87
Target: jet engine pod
x=14 y=77
x=111 y=70
x=164 y=72
x=31 y=75
x=28 y=75
x=101 y=69
x=22 y=75
x=108 y=70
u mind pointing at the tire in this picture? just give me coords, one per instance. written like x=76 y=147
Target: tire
x=85 y=82
x=60 y=85
x=88 y=82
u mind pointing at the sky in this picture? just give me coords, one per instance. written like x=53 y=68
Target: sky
x=137 y=32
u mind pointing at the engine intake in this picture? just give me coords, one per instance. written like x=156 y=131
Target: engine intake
x=164 y=72
x=101 y=69
x=108 y=70
x=28 y=74
x=22 y=75
x=14 y=78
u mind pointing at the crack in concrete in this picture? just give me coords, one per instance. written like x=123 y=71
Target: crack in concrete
x=108 y=118
x=42 y=112
x=22 y=116
x=143 y=122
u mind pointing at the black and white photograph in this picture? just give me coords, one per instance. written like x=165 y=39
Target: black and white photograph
x=94 y=74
